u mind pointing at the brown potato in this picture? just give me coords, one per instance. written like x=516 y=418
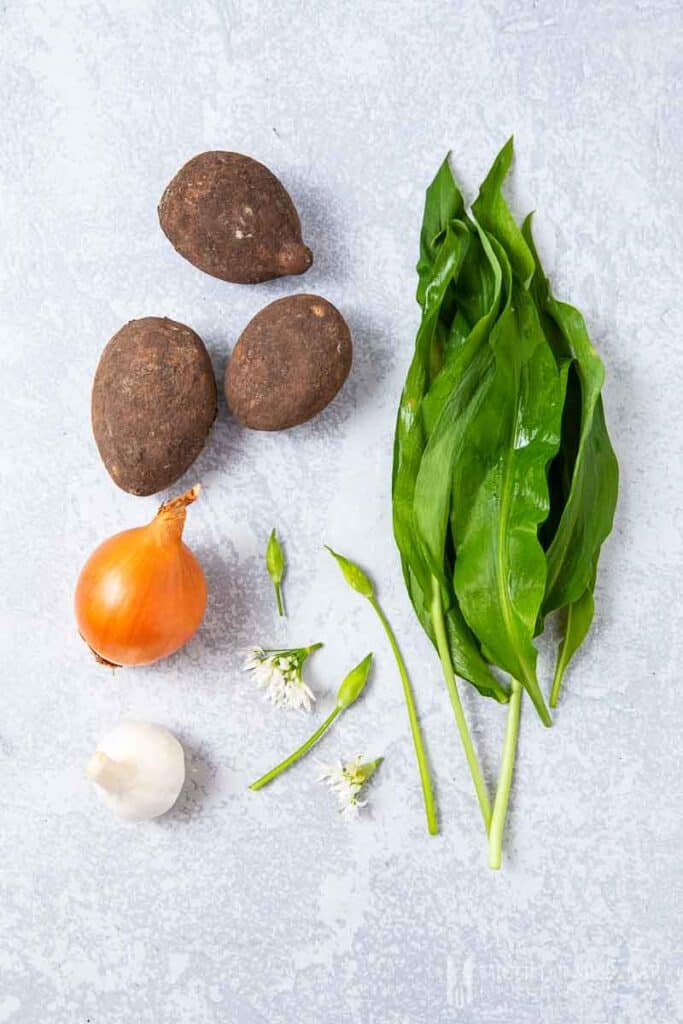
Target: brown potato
x=230 y=216
x=289 y=363
x=153 y=403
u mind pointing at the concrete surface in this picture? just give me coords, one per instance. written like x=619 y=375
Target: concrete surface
x=267 y=907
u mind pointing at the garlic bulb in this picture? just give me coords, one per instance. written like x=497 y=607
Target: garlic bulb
x=139 y=770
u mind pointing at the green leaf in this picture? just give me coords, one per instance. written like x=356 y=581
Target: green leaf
x=504 y=480
x=577 y=623
x=444 y=253
x=409 y=446
x=450 y=405
x=443 y=205
x=479 y=289
x=353 y=574
x=493 y=214
x=562 y=466
x=589 y=510
x=354 y=683
x=586 y=464
x=455 y=391
x=500 y=494
x=410 y=435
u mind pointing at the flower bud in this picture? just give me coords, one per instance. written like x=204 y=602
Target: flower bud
x=354 y=575
x=352 y=687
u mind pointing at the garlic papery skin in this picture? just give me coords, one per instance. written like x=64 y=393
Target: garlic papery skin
x=138 y=770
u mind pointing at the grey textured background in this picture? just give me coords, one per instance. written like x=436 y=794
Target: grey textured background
x=249 y=908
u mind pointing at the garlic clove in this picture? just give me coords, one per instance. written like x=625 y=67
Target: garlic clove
x=139 y=770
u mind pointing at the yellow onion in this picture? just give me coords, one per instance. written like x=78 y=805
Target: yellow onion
x=142 y=594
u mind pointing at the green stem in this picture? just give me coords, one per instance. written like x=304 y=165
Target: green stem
x=303 y=749
x=278 y=598
x=423 y=767
x=500 y=804
x=447 y=666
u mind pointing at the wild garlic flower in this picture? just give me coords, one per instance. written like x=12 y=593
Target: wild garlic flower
x=279 y=673
x=350 y=689
x=347 y=780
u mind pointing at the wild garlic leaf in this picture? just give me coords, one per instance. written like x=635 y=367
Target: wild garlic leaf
x=444 y=253
x=443 y=205
x=500 y=567
x=410 y=437
x=449 y=406
x=479 y=290
x=588 y=511
x=452 y=402
x=494 y=215
x=578 y=619
x=504 y=479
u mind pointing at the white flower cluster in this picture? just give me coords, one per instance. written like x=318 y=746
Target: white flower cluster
x=346 y=780
x=279 y=674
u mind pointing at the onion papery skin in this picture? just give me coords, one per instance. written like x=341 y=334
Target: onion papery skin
x=141 y=595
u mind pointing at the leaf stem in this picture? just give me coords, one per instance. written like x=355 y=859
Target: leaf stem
x=303 y=749
x=451 y=685
x=500 y=804
x=425 y=779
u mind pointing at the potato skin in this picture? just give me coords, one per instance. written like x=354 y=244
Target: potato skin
x=153 y=403
x=289 y=363
x=230 y=217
